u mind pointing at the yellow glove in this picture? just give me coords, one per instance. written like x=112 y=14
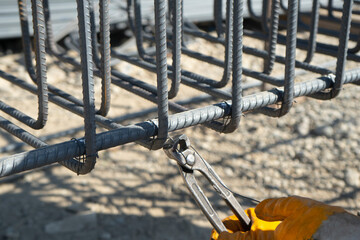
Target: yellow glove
x=260 y=229
x=301 y=218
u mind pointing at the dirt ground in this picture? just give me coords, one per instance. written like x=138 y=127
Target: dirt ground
x=134 y=193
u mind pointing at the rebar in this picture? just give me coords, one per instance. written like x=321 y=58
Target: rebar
x=38 y=75
x=168 y=33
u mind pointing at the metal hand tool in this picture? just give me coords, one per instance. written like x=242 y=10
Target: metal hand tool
x=189 y=161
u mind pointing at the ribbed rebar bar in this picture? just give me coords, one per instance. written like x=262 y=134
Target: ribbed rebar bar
x=343 y=48
x=35 y=142
x=54 y=50
x=237 y=68
x=227 y=63
x=102 y=64
x=67 y=150
x=273 y=33
x=38 y=75
x=105 y=56
x=222 y=117
x=288 y=96
x=218 y=20
x=139 y=30
x=184 y=80
x=177 y=20
x=315 y=13
x=87 y=84
x=161 y=69
x=341 y=53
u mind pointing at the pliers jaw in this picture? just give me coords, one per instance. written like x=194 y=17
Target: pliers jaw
x=179 y=150
x=188 y=161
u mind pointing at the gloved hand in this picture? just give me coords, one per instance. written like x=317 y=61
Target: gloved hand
x=259 y=229
x=301 y=218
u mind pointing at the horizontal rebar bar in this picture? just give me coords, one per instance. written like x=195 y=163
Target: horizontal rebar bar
x=144 y=130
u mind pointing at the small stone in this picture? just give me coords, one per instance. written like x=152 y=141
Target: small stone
x=299 y=171
x=267 y=179
x=327 y=156
x=343 y=131
x=303 y=128
x=326 y=131
x=304 y=156
x=301 y=185
x=300 y=156
x=291 y=152
x=352 y=177
x=309 y=143
x=229 y=172
x=276 y=183
x=74 y=223
x=339 y=184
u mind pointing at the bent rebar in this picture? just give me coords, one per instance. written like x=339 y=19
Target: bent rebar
x=83 y=8
x=288 y=96
x=38 y=75
x=167 y=37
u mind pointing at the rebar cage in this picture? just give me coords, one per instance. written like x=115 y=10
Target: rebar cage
x=282 y=25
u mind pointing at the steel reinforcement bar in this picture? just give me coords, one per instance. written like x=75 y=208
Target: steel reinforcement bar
x=63 y=151
x=168 y=36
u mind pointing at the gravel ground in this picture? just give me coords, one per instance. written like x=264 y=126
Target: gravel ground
x=136 y=194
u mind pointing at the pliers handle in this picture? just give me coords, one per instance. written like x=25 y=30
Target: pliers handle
x=189 y=161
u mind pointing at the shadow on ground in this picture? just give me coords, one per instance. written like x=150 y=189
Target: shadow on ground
x=46 y=205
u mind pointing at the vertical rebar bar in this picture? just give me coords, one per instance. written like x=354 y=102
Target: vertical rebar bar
x=161 y=69
x=341 y=54
x=177 y=43
x=38 y=75
x=88 y=84
x=237 y=68
x=288 y=94
x=273 y=33
x=313 y=31
x=343 y=47
x=218 y=18
x=139 y=30
x=105 y=57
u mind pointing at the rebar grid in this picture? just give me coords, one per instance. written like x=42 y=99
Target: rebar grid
x=169 y=35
